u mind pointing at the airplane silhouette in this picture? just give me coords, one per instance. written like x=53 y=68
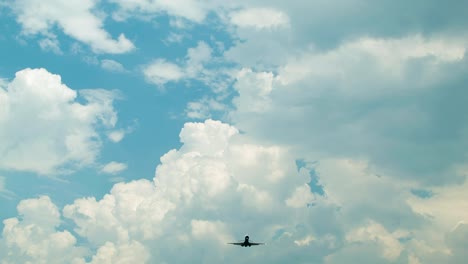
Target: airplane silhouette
x=246 y=243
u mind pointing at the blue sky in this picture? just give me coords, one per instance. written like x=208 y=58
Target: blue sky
x=157 y=131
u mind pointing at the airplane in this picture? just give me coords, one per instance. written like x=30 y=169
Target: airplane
x=246 y=243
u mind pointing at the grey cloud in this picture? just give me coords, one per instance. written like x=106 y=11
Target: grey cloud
x=329 y=23
x=411 y=125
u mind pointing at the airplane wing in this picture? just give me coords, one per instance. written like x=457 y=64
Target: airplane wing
x=256 y=244
x=237 y=244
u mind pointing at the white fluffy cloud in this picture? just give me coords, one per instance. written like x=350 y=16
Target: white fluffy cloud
x=34 y=237
x=74 y=17
x=219 y=186
x=109 y=253
x=198 y=195
x=44 y=129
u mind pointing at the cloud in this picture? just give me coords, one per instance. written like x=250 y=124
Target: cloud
x=389 y=243
x=304 y=242
x=201 y=178
x=44 y=129
x=373 y=111
x=116 y=135
x=219 y=185
x=160 y=72
x=174 y=38
x=114 y=167
x=112 y=65
x=199 y=65
x=2 y=184
x=216 y=230
x=75 y=18
x=50 y=44
x=4 y=192
x=34 y=236
x=203 y=108
x=333 y=22
x=444 y=218
x=259 y=18
x=385 y=94
x=133 y=252
x=301 y=197
x=255 y=89
x=192 y=10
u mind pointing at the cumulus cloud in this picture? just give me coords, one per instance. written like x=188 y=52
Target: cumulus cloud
x=389 y=243
x=191 y=184
x=215 y=230
x=217 y=187
x=109 y=253
x=44 y=129
x=74 y=18
x=34 y=237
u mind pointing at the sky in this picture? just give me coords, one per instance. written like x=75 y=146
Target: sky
x=153 y=131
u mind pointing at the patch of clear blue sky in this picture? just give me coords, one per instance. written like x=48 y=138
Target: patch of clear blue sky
x=314 y=185
x=145 y=110
x=422 y=193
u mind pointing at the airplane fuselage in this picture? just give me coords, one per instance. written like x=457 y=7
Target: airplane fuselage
x=246 y=242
